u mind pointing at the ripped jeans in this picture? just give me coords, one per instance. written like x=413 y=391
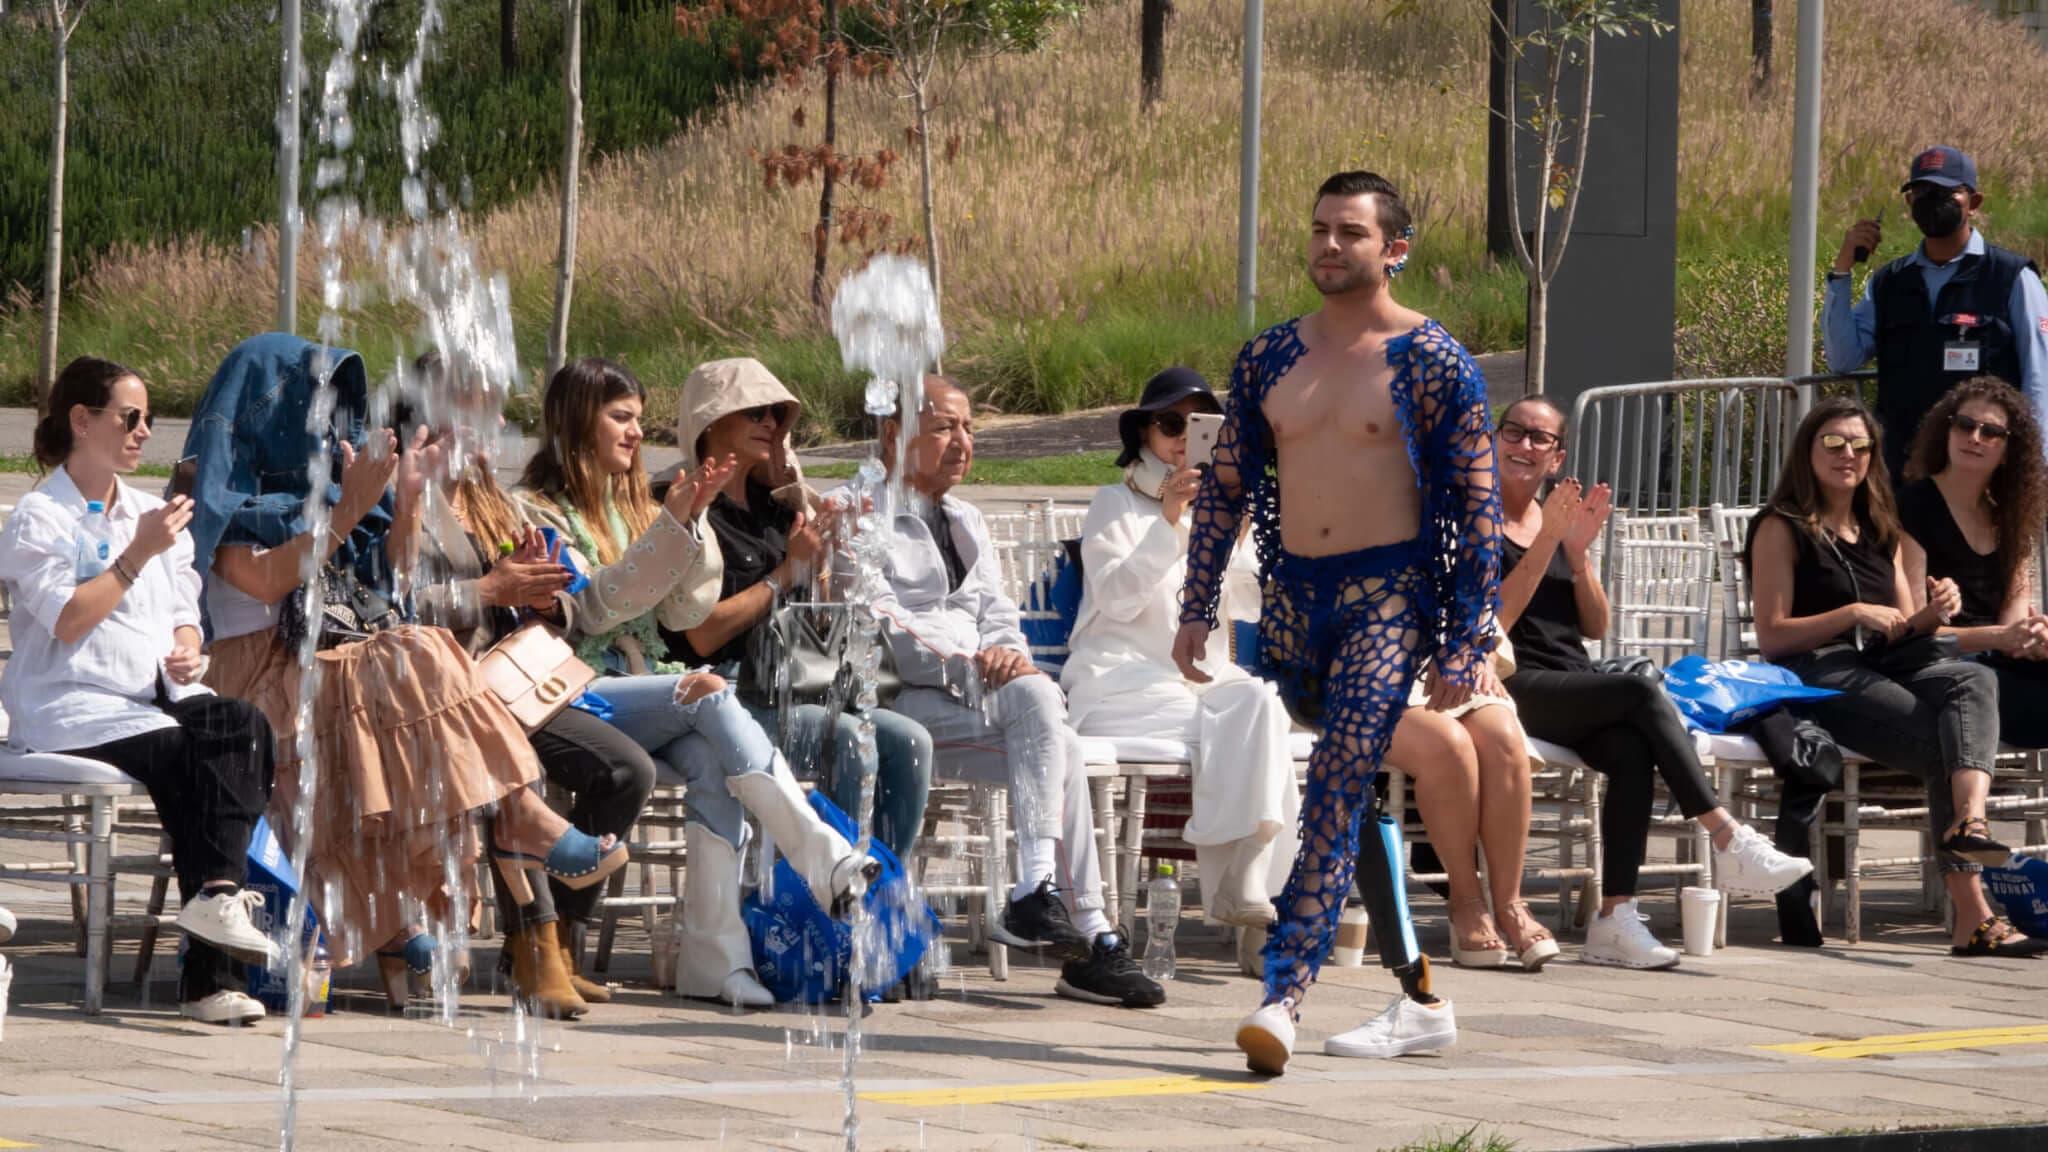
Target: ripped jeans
x=645 y=709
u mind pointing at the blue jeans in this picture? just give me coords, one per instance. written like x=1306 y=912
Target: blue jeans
x=704 y=743
x=903 y=766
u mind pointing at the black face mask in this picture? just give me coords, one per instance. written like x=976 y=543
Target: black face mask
x=1938 y=216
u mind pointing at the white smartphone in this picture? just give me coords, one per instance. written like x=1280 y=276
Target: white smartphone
x=1202 y=431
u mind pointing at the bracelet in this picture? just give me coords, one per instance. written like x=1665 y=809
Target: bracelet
x=121 y=572
x=775 y=587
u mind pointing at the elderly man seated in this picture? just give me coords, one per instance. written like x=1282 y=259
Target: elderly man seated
x=968 y=678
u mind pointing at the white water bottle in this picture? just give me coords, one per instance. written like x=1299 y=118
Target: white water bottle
x=95 y=550
x=1162 y=916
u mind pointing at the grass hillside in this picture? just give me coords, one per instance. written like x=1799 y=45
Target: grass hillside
x=1086 y=245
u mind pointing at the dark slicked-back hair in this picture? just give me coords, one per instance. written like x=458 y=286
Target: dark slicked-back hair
x=1393 y=213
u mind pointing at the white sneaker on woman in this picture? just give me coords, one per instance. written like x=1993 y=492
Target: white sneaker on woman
x=224 y=1007
x=222 y=920
x=6 y=925
x=1751 y=866
x=1620 y=939
x=1405 y=1026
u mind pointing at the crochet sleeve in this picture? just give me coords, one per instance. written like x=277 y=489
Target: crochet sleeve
x=1461 y=505
x=1220 y=503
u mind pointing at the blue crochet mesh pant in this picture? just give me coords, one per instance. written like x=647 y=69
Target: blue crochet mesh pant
x=1340 y=637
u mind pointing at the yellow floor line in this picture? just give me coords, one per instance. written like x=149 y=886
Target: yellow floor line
x=13 y=1144
x=1060 y=1090
x=1917 y=1042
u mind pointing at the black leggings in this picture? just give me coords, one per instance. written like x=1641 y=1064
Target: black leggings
x=610 y=776
x=2022 y=701
x=210 y=779
x=1631 y=733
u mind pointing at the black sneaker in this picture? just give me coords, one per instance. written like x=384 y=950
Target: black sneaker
x=1110 y=976
x=1040 y=920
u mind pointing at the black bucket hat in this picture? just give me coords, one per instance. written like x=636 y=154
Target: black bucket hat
x=1161 y=392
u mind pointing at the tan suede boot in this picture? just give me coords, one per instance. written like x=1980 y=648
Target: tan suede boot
x=538 y=977
x=591 y=991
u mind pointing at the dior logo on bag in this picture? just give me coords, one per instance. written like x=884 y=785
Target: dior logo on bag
x=535 y=673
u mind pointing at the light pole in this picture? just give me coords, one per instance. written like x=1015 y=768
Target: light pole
x=1248 y=169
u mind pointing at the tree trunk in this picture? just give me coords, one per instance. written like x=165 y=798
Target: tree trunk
x=572 y=156
x=1152 y=51
x=1759 y=44
x=1534 y=355
x=53 y=250
x=508 y=37
x=821 y=241
x=931 y=224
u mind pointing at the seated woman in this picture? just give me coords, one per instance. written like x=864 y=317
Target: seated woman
x=469 y=584
x=106 y=666
x=1470 y=765
x=409 y=742
x=1121 y=680
x=772 y=543
x=1973 y=515
x=1832 y=605
x=656 y=568
x=1624 y=726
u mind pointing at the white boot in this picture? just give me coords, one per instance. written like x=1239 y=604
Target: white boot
x=820 y=855
x=717 y=957
x=1234 y=881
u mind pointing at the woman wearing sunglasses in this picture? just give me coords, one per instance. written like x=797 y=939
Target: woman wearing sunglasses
x=1623 y=725
x=1973 y=514
x=1121 y=680
x=772 y=541
x=1833 y=605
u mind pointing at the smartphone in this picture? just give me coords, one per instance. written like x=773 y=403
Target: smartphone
x=577 y=580
x=184 y=475
x=1203 y=429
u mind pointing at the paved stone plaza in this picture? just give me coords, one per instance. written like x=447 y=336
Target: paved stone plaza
x=1575 y=1057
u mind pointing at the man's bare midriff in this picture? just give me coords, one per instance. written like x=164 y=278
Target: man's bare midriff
x=1345 y=479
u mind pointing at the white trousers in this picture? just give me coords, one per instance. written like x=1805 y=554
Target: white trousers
x=1020 y=739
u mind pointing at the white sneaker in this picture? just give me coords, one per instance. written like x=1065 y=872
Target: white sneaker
x=1751 y=866
x=1620 y=939
x=1267 y=1037
x=6 y=925
x=1405 y=1026
x=223 y=921
x=224 y=1007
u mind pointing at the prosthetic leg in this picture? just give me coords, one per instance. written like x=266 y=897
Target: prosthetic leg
x=1417 y=1020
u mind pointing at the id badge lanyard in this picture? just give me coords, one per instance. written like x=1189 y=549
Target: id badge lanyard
x=1962 y=354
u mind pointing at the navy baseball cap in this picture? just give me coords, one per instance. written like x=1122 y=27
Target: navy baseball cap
x=1945 y=166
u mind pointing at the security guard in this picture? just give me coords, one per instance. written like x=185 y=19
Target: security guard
x=1953 y=308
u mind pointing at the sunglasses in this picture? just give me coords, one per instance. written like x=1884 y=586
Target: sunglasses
x=1985 y=429
x=130 y=417
x=763 y=414
x=1537 y=438
x=1835 y=442
x=1170 y=423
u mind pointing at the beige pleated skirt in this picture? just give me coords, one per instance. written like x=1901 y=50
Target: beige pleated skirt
x=408 y=743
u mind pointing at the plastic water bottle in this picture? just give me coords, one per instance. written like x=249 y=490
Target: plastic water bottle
x=95 y=550
x=1162 y=916
x=319 y=980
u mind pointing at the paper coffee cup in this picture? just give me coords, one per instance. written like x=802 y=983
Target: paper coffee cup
x=1349 y=951
x=1699 y=912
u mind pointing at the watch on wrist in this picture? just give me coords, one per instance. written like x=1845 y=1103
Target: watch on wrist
x=774 y=585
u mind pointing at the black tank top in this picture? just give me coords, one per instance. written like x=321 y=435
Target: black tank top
x=1979 y=576
x=1828 y=574
x=1546 y=636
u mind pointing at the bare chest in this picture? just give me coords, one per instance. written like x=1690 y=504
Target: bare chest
x=1335 y=396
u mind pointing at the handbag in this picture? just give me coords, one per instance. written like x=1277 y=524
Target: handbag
x=798 y=655
x=535 y=673
x=349 y=611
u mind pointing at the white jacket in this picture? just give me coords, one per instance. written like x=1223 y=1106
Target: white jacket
x=1134 y=563
x=931 y=628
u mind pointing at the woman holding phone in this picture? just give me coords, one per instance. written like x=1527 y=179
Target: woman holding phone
x=1121 y=680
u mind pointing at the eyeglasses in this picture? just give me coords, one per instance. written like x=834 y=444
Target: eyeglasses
x=1835 y=442
x=763 y=414
x=1537 y=438
x=1170 y=423
x=130 y=417
x=1984 y=429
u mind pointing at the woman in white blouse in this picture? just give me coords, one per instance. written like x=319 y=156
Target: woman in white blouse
x=1121 y=680
x=107 y=662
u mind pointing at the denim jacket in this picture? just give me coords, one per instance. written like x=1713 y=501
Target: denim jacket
x=252 y=444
